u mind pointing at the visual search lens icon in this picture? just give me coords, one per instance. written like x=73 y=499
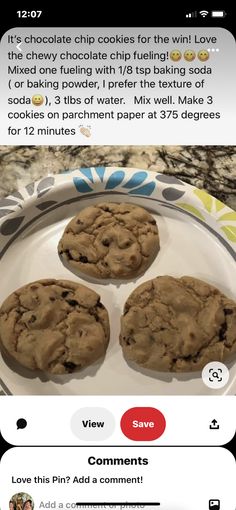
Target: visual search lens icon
x=215 y=374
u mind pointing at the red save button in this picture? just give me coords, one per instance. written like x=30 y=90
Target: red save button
x=143 y=423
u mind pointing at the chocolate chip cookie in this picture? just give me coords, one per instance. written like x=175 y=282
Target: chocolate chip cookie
x=178 y=325
x=110 y=240
x=56 y=326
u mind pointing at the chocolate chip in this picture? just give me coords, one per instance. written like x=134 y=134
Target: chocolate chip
x=64 y=293
x=188 y=358
x=228 y=311
x=32 y=319
x=129 y=340
x=72 y=302
x=152 y=222
x=93 y=312
x=222 y=331
x=67 y=253
x=99 y=304
x=106 y=242
x=52 y=299
x=83 y=259
x=69 y=366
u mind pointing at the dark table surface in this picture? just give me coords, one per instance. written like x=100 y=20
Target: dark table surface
x=210 y=167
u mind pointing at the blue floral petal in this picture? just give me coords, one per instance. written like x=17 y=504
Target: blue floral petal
x=100 y=170
x=147 y=189
x=10 y=226
x=87 y=173
x=81 y=185
x=115 y=179
x=135 y=180
x=172 y=194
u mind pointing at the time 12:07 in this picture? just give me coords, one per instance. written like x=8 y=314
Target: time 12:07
x=29 y=14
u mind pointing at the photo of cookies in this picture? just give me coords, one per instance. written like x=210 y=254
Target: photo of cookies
x=56 y=326
x=118 y=270
x=110 y=240
x=178 y=325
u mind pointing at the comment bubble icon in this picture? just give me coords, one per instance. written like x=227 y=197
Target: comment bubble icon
x=21 y=423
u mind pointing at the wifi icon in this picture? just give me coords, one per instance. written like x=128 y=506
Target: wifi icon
x=204 y=13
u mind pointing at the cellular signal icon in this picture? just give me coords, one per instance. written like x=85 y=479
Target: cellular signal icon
x=191 y=14
x=203 y=13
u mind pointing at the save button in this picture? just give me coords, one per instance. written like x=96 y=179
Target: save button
x=143 y=423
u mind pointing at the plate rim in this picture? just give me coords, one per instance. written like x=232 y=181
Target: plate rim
x=131 y=181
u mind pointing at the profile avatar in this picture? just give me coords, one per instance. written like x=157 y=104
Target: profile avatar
x=21 y=501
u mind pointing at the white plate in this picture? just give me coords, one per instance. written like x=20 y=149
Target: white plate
x=198 y=238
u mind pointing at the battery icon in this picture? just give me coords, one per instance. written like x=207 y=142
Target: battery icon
x=218 y=14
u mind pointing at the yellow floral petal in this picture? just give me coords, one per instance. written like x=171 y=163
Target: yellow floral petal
x=228 y=216
x=191 y=209
x=230 y=232
x=206 y=199
x=219 y=205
